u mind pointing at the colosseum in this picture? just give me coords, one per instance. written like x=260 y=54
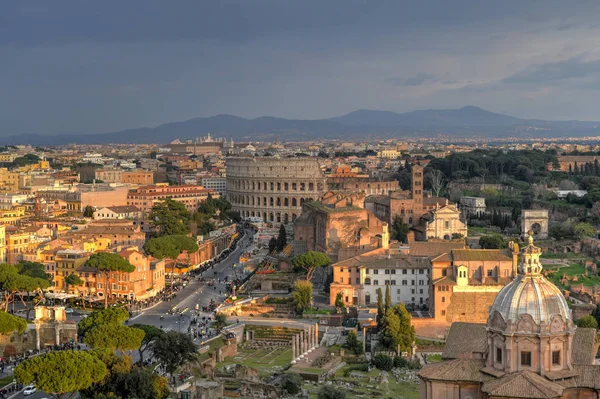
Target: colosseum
x=271 y=188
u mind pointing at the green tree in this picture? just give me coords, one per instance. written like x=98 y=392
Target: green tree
x=169 y=217
x=582 y=230
x=102 y=317
x=309 y=261
x=220 y=321
x=399 y=229
x=18 y=280
x=170 y=247
x=302 y=295
x=151 y=334
x=353 y=344
x=63 y=373
x=10 y=324
x=339 y=301
x=174 y=350
x=106 y=263
x=88 y=211
x=388 y=297
x=272 y=244
x=114 y=337
x=397 y=333
x=383 y=362
x=596 y=313
x=138 y=383
x=281 y=238
x=586 y=321
x=291 y=383
x=492 y=242
x=380 y=307
x=331 y=392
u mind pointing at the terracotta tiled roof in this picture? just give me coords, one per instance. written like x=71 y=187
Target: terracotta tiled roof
x=524 y=384
x=464 y=339
x=455 y=370
x=584 y=346
x=124 y=209
x=445 y=257
x=444 y=280
x=466 y=255
x=109 y=230
x=588 y=376
x=433 y=248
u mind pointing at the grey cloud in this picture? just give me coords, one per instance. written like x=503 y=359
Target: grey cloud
x=556 y=71
x=417 y=80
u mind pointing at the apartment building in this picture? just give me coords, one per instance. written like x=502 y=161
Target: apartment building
x=189 y=195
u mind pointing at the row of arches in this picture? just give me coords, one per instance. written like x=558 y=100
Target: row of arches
x=247 y=185
x=271 y=216
x=238 y=199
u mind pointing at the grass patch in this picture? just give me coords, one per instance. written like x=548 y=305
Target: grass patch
x=4 y=381
x=434 y=358
x=266 y=361
x=555 y=274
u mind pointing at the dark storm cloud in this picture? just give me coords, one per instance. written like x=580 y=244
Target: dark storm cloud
x=88 y=65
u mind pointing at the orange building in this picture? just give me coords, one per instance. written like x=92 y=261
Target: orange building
x=189 y=195
x=138 y=177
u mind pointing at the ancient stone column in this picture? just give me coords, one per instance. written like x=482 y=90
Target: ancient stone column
x=294 y=349
x=37 y=337
x=309 y=335
x=301 y=351
x=317 y=343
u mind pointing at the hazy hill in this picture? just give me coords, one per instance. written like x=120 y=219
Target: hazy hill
x=464 y=122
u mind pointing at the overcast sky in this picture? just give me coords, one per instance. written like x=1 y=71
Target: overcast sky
x=98 y=66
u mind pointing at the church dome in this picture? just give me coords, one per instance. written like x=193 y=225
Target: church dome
x=530 y=293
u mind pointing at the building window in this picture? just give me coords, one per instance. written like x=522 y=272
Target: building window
x=398 y=291
x=386 y=271
x=376 y=271
x=490 y=273
x=341 y=269
x=443 y=299
x=367 y=281
x=341 y=279
x=393 y=271
x=443 y=313
x=499 y=355
x=393 y=282
x=357 y=280
x=375 y=282
x=403 y=282
x=556 y=357
x=404 y=271
x=526 y=358
x=367 y=299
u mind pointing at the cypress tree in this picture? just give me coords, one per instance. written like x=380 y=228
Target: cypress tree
x=281 y=238
x=388 y=297
x=380 y=310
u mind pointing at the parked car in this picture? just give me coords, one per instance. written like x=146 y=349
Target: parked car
x=69 y=310
x=29 y=390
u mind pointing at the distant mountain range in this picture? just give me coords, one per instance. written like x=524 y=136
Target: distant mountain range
x=465 y=122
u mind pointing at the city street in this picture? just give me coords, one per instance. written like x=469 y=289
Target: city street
x=194 y=293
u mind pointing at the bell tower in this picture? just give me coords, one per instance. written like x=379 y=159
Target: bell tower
x=417 y=192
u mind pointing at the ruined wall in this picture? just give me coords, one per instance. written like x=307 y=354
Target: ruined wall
x=470 y=307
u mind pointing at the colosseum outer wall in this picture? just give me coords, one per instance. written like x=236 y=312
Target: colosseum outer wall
x=271 y=188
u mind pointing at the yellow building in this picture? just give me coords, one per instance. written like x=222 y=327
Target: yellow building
x=12 y=215
x=391 y=154
x=9 y=181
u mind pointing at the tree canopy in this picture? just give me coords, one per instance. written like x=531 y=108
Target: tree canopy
x=63 y=372
x=10 y=324
x=21 y=278
x=586 y=321
x=115 y=337
x=302 y=295
x=170 y=247
x=281 y=238
x=492 y=242
x=174 y=350
x=151 y=334
x=396 y=330
x=309 y=261
x=102 y=317
x=169 y=217
x=399 y=229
